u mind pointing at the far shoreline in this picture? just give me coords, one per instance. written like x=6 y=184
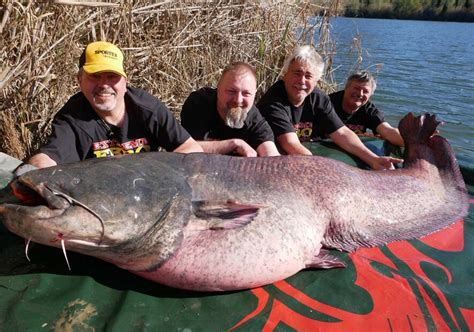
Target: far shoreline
x=403 y=19
x=443 y=11
x=466 y=18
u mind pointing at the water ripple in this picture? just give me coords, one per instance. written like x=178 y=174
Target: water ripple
x=424 y=67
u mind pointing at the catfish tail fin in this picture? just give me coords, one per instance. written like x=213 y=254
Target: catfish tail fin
x=422 y=143
x=448 y=168
x=427 y=195
x=417 y=129
x=416 y=133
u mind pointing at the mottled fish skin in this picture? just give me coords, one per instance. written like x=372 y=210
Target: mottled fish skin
x=137 y=205
x=211 y=222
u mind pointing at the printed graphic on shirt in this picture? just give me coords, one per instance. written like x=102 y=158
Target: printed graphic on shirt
x=358 y=129
x=112 y=147
x=304 y=130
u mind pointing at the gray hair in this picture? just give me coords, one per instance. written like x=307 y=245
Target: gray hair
x=308 y=55
x=363 y=76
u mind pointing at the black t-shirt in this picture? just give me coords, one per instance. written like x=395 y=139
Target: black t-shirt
x=199 y=116
x=368 y=116
x=316 y=115
x=79 y=133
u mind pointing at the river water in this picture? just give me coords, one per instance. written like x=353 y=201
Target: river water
x=420 y=67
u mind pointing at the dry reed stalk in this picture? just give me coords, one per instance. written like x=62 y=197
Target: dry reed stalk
x=10 y=136
x=171 y=48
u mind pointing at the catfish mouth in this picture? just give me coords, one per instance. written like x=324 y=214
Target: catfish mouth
x=48 y=207
x=40 y=196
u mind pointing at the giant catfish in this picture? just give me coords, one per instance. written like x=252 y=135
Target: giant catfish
x=212 y=222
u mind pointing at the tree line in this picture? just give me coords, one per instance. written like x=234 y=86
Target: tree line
x=436 y=10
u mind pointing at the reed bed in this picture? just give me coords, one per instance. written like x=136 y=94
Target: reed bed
x=171 y=48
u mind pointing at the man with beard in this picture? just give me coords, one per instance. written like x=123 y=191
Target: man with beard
x=296 y=109
x=108 y=117
x=358 y=113
x=225 y=120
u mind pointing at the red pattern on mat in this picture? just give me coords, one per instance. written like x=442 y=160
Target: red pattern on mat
x=396 y=307
x=468 y=315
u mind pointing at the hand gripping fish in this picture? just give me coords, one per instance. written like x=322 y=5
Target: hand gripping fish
x=213 y=223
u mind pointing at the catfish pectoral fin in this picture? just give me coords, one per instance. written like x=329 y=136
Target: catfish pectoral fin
x=324 y=260
x=225 y=214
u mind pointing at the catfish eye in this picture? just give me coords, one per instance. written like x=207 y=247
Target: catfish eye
x=75 y=181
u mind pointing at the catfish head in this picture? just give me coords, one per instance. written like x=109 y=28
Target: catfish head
x=104 y=209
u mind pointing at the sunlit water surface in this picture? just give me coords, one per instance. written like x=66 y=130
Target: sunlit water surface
x=420 y=66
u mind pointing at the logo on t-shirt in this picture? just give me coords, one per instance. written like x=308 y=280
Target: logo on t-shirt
x=358 y=129
x=304 y=130
x=112 y=147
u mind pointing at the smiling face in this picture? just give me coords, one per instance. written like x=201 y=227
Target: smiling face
x=356 y=95
x=235 y=96
x=300 y=80
x=105 y=91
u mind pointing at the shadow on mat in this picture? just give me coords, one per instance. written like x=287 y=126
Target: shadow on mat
x=50 y=260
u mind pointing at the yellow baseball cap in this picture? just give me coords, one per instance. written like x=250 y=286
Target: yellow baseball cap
x=102 y=56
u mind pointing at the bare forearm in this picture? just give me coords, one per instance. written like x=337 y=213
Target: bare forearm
x=349 y=142
x=297 y=149
x=359 y=150
x=220 y=147
x=267 y=149
x=394 y=137
x=389 y=133
x=346 y=139
x=41 y=160
x=290 y=143
x=190 y=145
x=228 y=146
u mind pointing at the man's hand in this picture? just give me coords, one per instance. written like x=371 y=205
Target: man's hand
x=243 y=149
x=384 y=163
x=234 y=146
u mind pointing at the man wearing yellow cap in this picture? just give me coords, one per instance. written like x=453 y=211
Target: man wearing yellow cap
x=108 y=118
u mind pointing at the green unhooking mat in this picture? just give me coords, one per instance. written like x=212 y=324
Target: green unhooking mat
x=418 y=285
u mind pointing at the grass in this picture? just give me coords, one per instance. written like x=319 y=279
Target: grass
x=171 y=49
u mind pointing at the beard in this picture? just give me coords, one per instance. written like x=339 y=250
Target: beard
x=107 y=103
x=235 y=117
